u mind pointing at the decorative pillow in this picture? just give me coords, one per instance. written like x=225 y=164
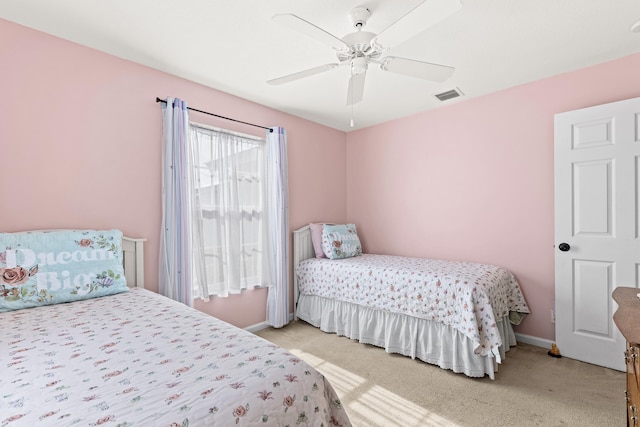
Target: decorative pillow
x=51 y=267
x=316 y=238
x=340 y=241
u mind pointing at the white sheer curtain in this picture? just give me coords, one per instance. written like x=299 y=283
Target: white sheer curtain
x=232 y=190
x=180 y=243
x=278 y=209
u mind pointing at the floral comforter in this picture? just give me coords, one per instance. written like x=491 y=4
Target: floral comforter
x=140 y=359
x=467 y=296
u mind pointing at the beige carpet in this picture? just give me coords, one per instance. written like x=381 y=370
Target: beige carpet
x=530 y=389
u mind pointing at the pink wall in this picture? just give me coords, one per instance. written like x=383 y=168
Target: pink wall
x=81 y=144
x=474 y=180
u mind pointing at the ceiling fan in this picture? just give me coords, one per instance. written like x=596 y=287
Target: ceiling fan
x=359 y=49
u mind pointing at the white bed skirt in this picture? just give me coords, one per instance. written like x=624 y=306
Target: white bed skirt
x=429 y=341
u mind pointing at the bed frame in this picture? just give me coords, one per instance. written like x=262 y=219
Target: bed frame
x=133 y=261
x=302 y=249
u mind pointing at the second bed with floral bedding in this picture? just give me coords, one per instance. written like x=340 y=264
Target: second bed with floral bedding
x=457 y=315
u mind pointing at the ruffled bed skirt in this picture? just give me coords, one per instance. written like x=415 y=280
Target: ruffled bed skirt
x=429 y=341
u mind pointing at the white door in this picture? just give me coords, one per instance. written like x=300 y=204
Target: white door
x=597 y=176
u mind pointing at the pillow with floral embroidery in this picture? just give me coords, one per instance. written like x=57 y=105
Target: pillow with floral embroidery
x=340 y=241
x=51 y=267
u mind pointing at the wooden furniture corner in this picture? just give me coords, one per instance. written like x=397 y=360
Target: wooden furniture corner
x=627 y=319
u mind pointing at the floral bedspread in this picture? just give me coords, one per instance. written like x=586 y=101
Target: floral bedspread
x=139 y=359
x=466 y=296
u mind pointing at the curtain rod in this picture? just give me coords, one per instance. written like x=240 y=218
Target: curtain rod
x=222 y=117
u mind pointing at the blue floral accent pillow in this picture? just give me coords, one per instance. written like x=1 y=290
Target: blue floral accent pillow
x=51 y=267
x=340 y=241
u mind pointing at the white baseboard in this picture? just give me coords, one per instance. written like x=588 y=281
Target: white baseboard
x=262 y=325
x=257 y=327
x=539 y=342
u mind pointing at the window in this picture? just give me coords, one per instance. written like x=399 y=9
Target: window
x=231 y=186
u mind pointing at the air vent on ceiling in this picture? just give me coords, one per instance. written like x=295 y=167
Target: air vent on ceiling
x=453 y=93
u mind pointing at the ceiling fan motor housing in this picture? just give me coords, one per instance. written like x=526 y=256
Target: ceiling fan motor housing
x=358 y=41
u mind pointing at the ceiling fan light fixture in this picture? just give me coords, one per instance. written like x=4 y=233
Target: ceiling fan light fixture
x=359 y=65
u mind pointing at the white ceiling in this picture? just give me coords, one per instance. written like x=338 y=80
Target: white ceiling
x=235 y=46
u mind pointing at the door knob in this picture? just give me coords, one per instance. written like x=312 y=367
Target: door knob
x=564 y=247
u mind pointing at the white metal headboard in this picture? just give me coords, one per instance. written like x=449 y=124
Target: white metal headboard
x=302 y=249
x=133 y=261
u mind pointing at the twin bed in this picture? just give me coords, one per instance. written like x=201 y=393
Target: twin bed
x=457 y=315
x=81 y=346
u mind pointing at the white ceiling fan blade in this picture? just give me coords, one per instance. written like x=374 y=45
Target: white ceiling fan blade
x=419 y=69
x=302 y=74
x=417 y=20
x=356 y=88
x=306 y=27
